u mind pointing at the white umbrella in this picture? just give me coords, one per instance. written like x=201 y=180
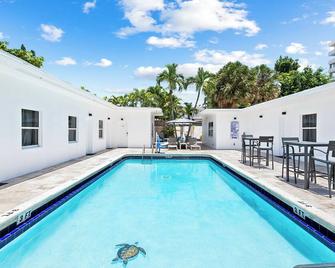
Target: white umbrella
x=181 y=122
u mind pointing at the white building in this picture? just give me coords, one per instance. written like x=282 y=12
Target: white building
x=45 y=121
x=308 y=115
x=332 y=61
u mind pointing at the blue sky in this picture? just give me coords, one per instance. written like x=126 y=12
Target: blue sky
x=111 y=47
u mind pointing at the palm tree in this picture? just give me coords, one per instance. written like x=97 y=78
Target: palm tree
x=200 y=80
x=174 y=81
x=189 y=110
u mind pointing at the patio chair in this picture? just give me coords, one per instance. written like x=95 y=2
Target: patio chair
x=294 y=153
x=265 y=143
x=328 y=160
x=245 y=147
x=193 y=144
x=172 y=143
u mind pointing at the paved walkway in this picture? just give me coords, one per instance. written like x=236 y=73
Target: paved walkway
x=33 y=190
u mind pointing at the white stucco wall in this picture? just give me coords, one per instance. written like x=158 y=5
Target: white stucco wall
x=23 y=86
x=132 y=127
x=319 y=100
x=209 y=141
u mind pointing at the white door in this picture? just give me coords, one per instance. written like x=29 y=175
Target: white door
x=123 y=130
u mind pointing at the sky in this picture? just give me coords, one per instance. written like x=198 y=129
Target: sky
x=113 y=46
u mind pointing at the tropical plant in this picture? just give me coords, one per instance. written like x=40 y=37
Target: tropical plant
x=286 y=65
x=264 y=85
x=189 y=110
x=199 y=81
x=232 y=84
x=174 y=81
x=23 y=53
x=154 y=96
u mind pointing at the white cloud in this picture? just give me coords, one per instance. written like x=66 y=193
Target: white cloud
x=261 y=46
x=148 y=72
x=296 y=48
x=191 y=69
x=187 y=69
x=51 y=33
x=330 y=19
x=184 y=18
x=222 y=57
x=325 y=45
x=170 y=42
x=214 y=40
x=305 y=63
x=210 y=60
x=318 y=53
x=65 y=61
x=188 y=17
x=88 y=6
x=104 y=63
x=138 y=13
x=2 y=36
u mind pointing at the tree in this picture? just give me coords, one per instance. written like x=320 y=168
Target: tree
x=174 y=81
x=23 y=53
x=292 y=79
x=264 y=85
x=232 y=85
x=209 y=92
x=200 y=81
x=189 y=110
x=286 y=65
x=296 y=81
x=154 y=96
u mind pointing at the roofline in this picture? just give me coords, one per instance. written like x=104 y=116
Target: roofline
x=28 y=68
x=208 y=111
x=307 y=92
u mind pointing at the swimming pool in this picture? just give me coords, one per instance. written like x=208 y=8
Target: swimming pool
x=182 y=212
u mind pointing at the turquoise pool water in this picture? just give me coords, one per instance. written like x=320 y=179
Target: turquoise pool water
x=184 y=213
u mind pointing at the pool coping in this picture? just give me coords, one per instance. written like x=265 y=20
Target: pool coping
x=8 y=222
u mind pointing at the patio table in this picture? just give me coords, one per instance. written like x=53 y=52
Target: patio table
x=251 y=143
x=306 y=145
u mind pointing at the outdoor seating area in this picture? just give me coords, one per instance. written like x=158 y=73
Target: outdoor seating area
x=310 y=159
x=173 y=143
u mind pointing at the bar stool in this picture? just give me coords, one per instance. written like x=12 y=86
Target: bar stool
x=265 y=143
x=245 y=147
x=293 y=154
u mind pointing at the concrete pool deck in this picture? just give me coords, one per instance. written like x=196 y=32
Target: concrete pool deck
x=33 y=190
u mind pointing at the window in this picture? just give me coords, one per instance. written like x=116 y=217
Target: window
x=309 y=127
x=101 y=129
x=210 y=129
x=30 y=127
x=72 y=124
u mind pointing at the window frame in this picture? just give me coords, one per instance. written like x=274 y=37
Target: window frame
x=71 y=129
x=101 y=129
x=38 y=128
x=308 y=127
x=210 y=129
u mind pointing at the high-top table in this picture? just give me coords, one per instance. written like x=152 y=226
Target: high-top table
x=307 y=146
x=251 y=141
